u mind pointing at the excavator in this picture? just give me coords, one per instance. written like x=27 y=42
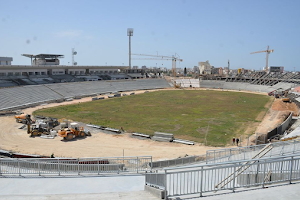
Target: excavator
x=22 y=118
x=73 y=131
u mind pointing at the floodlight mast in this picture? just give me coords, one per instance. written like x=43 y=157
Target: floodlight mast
x=73 y=54
x=129 y=34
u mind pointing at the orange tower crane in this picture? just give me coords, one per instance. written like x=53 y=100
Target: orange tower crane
x=267 y=59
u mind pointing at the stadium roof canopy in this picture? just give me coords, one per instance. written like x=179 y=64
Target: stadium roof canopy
x=43 y=56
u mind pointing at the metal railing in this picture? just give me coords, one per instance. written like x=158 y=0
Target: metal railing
x=197 y=180
x=243 y=153
x=178 y=161
x=70 y=166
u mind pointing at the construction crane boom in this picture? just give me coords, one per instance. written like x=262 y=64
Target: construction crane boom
x=267 y=58
x=160 y=57
x=135 y=54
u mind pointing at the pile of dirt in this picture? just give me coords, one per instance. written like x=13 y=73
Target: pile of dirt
x=279 y=105
x=277 y=114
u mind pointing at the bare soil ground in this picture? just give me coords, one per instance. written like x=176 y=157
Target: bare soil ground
x=278 y=112
x=102 y=144
x=98 y=145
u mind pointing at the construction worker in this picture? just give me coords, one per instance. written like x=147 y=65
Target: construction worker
x=237 y=141
x=52 y=155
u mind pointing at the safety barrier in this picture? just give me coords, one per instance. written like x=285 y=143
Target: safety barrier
x=197 y=180
x=240 y=153
x=177 y=161
x=281 y=128
x=70 y=166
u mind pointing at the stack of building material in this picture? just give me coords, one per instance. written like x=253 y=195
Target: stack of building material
x=183 y=141
x=163 y=137
x=113 y=130
x=141 y=135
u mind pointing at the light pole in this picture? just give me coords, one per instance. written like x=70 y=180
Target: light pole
x=73 y=54
x=129 y=34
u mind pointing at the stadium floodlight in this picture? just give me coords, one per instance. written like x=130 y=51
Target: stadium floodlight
x=73 y=54
x=130 y=33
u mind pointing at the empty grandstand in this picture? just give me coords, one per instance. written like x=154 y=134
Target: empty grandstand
x=31 y=95
x=259 y=77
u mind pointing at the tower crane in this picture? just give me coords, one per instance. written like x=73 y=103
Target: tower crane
x=267 y=59
x=174 y=59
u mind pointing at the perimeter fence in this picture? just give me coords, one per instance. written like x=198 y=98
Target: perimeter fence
x=69 y=166
x=197 y=180
x=248 y=152
x=178 y=161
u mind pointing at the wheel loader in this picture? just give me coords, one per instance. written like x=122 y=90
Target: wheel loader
x=38 y=129
x=73 y=131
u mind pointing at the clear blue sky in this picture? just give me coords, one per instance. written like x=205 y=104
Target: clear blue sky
x=197 y=30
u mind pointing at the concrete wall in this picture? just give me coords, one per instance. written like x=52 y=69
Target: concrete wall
x=281 y=128
x=16 y=72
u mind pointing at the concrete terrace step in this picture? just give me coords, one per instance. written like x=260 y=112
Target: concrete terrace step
x=115 y=187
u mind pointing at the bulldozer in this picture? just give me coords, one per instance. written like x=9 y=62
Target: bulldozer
x=73 y=131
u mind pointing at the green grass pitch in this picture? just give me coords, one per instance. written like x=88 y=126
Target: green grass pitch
x=205 y=116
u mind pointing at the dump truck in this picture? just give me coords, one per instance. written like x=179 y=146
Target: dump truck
x=73 y=131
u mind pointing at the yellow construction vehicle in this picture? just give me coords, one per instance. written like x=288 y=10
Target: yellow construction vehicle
x=38 y=129
x=177 y=85
x=286 y=100
x=21 y=118
x=73 y=131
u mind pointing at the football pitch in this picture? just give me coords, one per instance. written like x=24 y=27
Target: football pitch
x=204 y=116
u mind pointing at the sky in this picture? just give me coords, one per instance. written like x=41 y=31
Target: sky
x=196 y=30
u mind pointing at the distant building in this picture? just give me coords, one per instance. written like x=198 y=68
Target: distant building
x=225 y=70
x=196 y=69
x=135 y=67
x=205 y=67
x=5 y=60
x=48 y=64
x=144 y=67
x=44 y=59
x=276 y=69
x=214 y=70
x=220 y=71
